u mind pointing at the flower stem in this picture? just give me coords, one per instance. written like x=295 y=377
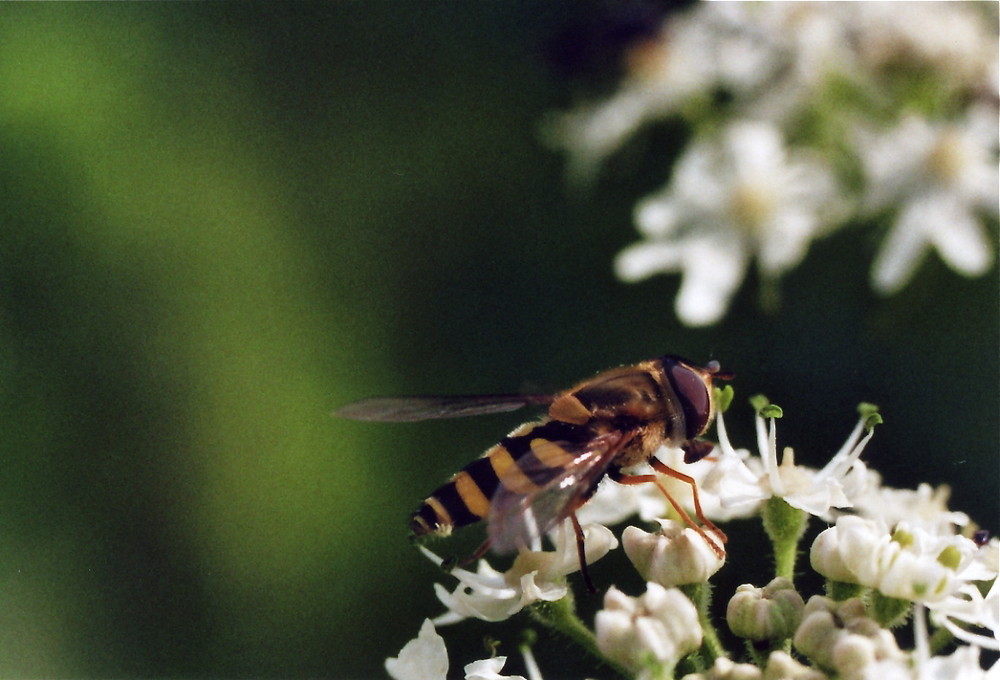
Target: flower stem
x=785 y=526
x=701 y=595
x=560 y=616
x=759 y=659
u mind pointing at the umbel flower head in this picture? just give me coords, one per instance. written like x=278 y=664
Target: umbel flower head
x=830 y=114
x=898 y=558
x=908 y=563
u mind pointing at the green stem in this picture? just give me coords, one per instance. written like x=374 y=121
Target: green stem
x=759 y=659
x=560 y=616
x=785 y=526
x=711 y=647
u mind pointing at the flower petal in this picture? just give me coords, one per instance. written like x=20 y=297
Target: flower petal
x=422 y=658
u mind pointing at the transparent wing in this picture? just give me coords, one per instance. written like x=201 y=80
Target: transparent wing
x=410 y=409
x=520 y=517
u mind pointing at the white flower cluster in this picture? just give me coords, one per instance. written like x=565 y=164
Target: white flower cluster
x=888 y=554
x=834 y=112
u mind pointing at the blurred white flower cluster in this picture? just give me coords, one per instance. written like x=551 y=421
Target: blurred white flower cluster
x=806 y=118
x=889 y=556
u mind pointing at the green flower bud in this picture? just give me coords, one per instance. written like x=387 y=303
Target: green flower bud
x=769 y=613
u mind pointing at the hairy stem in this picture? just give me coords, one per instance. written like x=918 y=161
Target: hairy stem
x=560 y=616
x=785 y=526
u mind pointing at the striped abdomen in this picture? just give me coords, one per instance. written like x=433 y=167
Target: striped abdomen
x=523 y=462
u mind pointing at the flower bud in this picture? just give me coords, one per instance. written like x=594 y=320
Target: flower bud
x=852 y=551
x=781 y=666
x=852 y=654
x=656 y=629
x=673 y=556
x=824 y=556
x=725 y=669
x=815 y=637
x=769 y=613
x=839 y=637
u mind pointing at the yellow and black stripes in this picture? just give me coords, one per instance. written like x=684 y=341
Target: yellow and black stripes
x=523 y=462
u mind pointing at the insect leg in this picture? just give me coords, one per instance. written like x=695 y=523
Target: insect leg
x=660 y=466
x=622 y=478
x=581 y=553
x=477 y=553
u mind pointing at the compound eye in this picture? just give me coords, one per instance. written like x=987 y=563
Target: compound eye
x=694 y=396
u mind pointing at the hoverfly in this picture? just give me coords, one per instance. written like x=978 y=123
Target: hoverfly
x=543 y=471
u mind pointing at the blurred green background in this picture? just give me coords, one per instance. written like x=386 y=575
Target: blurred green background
x=219 y=221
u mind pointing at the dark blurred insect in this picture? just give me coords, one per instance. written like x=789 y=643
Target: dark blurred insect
x=543 y=471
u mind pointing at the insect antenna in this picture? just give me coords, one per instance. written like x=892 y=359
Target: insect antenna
x=715 y=369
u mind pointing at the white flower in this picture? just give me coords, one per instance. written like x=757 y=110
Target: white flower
x=956 y=39
x=592 y=133
x=961 y=664
x=656 y=629
x=491 y=595
x=966 y=605
x=739 y=481
x=681 y=63
x=768 y=56
x=909 y=563
x=812 y=70
x=926 y=507
x=673 y=556
x=838 y=636
x=731 y=199
x=422 y=658
x=774 y=57
x=939 y=176
x=489 y=669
